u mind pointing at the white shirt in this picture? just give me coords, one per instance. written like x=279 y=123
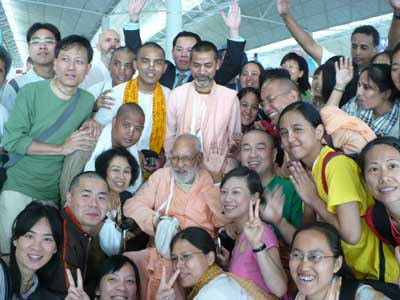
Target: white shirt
x=104 y=116
x=222 y=287
x=98 y=73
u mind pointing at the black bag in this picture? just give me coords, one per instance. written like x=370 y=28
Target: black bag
x=349 y=288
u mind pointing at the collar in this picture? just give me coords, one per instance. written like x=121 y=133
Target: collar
x=73 y=219
x=187 y=73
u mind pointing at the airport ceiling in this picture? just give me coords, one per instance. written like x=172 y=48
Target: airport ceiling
x=261 y=24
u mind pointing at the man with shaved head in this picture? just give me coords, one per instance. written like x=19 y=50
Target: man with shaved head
x=108 y=41
x=194 y=201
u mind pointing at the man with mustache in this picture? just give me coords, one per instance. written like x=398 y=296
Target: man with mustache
x=108 y=41
x=205 y=109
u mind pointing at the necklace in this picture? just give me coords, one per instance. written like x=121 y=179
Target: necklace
x=55 y=85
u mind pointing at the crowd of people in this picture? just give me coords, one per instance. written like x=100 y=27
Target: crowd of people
x=206 y=177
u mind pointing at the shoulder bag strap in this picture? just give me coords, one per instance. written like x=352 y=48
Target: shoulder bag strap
x=49 y=131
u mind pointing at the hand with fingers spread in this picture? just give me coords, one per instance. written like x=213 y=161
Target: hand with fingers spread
x=344 y=72
x=254 y=227
x=283 y=7
x=215 y=160
x=303 y=183
x=272 y=211
x=76 y=291
x=79 y=140
x=165 y=290
x=135 y=9
x=232 y=19
x=104 y=100
x=93 y=127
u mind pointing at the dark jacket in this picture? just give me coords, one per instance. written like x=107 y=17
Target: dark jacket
x=228 y=70
x=74 y=255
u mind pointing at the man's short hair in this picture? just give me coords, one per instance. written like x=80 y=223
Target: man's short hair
x=133 y=107
x=186 y=34
x=73 y=40
x=37 y=26
x=88 y=174
x=286 y=85
x=6 y=58
x=274 y=73
x=204 y=46
x=368 y=30
x=151 y=45
x=125 y=49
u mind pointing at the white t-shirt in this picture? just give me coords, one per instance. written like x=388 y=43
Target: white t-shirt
x=222 y=287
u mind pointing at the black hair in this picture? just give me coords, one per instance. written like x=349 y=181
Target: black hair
x=115 y=263
x=274 y=73
x=252 y=179
x=104 y=159
x=73 y=40
x=383 y=140
x=37 y=26
x=204 y=46
x=185 y=34
x=304 y=84
x=196 y=236
x=387 y=52
x=309 y=112
x=329 y=80
x=88 y=174
x=249 y=90
x=368 y=30
x=380 y=75
x=124 y=49
x=151 y=45
x=333 y=238
x=267 y=133
x=260 y=67
x=6 y=58
x=24 y=221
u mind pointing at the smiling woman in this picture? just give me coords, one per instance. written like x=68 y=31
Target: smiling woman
x=36 y=241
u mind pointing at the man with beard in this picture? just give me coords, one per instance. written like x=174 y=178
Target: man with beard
x=194 y=201
x=42 y=39
x=108 y=41
x=205 y=109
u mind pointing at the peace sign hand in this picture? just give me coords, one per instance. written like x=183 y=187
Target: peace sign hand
x=165 y=290
x=76 y=292
x=254 y=228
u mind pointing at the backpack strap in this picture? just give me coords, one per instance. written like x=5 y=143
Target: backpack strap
x=378 y=221
x=327 y=158
x=14 y=85
x=348 y=289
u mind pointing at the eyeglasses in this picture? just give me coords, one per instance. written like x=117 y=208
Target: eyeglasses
x=184 y=258
x=186 y=159
x=270 y=99
x=313 y=258
x=37 y=41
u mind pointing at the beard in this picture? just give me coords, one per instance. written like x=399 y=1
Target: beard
x=185 y=176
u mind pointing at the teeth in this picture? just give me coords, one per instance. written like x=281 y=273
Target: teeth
x=306 y=278
x=35 y=256
x=387 y=189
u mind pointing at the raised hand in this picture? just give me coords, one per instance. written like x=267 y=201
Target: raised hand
x=303 y=183
x=254 y=227
x=344 y=72
x=135 y=9
x=234 y=147
x=232 y=19
x=76 y=291
x=165 y=290
x=283 y=7
x=272 y=211
x=395 y=5
x=215 y=160
x=223 y=258
x=104 y=101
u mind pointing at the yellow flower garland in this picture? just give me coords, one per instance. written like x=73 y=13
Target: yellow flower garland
x=159 y=112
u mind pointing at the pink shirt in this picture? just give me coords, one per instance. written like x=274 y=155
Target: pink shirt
x=245 y=264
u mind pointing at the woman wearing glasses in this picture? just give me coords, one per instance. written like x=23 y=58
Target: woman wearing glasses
x=193 y=260
x=318 y=268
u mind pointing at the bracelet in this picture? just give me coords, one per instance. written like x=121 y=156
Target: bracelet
x=259 y=249
x=396 y=16
x=339 y=90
